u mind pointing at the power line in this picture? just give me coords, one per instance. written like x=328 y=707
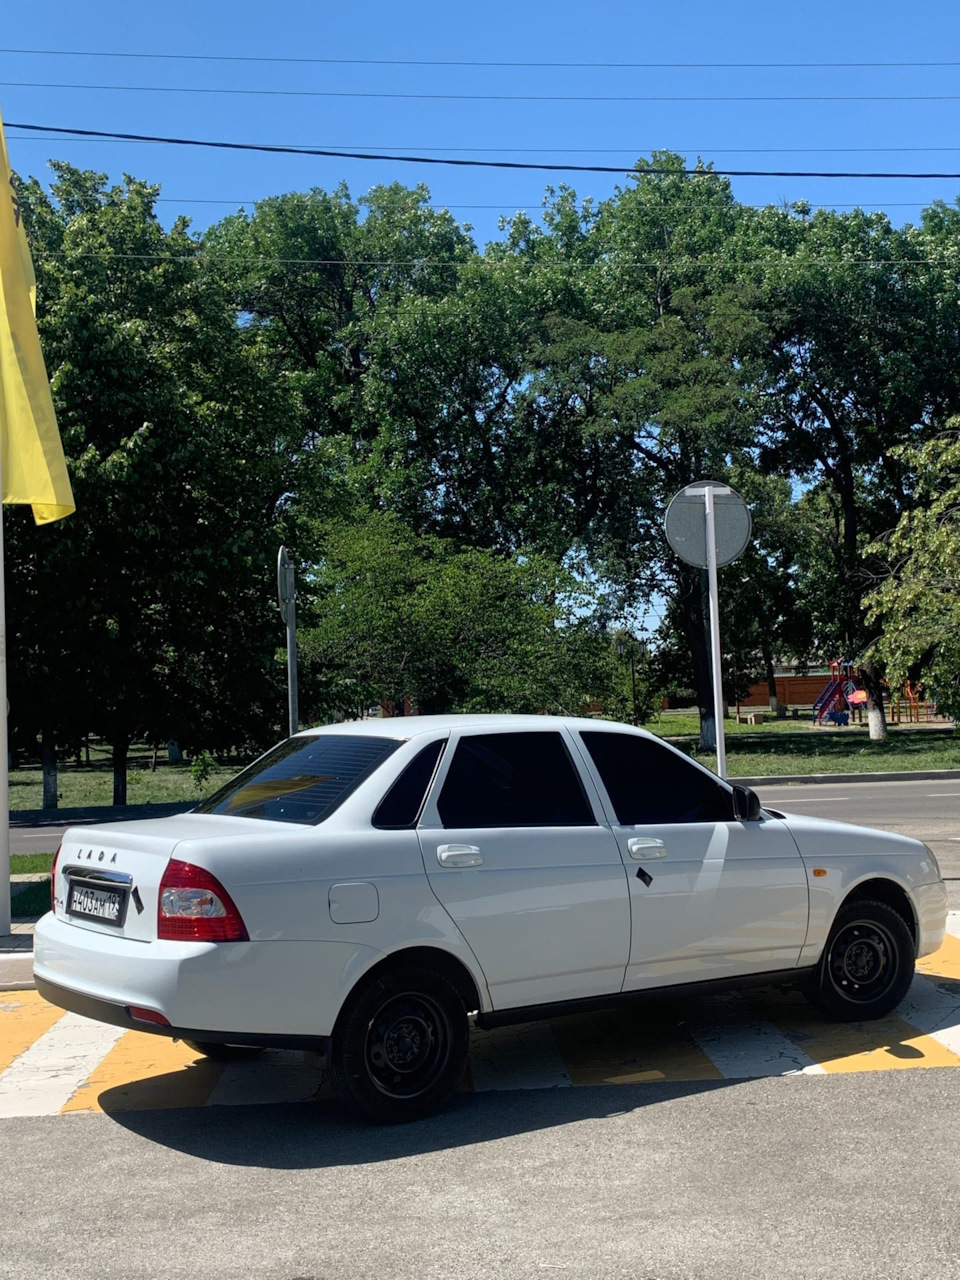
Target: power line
x=567 y=151
x=475 y=164
x=408 y=62
x=526 y=208
x=423 y=264
x=486 y=97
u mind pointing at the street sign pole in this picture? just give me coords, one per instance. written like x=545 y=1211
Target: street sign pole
x=708 y=525
x=714 y=591
x=286 y=593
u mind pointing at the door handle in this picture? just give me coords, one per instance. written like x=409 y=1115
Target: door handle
x=642 y=847
x=459 y=855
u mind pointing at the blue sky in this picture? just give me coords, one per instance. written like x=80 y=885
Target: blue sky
x=744 y=134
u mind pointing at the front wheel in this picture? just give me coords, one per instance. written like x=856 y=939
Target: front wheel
x=868 y=962
x=400 y=1046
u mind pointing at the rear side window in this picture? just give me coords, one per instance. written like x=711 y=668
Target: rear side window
x=647 y=783
x=303 y=779
x=401 y=806
x=513 y=780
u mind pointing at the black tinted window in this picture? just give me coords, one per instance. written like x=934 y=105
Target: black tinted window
x=302 y=779
x=647 y=783
x=513 y=780
x=401 y=806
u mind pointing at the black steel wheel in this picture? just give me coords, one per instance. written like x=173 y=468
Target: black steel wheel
x=867 y=964
x=400 y=1045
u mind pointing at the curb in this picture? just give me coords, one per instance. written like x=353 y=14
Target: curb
x=801 y=779
x=16 y=971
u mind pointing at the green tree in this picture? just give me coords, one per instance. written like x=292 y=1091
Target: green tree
x=918 y=604
x=148 y=613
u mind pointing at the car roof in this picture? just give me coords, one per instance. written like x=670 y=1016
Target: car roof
x=410 y=726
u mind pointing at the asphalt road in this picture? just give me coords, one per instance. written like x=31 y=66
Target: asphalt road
x=784 y=1178
x=796 y=1178
x=928 y=811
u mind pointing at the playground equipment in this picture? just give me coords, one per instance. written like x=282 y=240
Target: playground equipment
x=910 y=705
x=839 y=696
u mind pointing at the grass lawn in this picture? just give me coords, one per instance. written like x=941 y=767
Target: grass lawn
x=93 y=784
x=33 y=901
x=838 y=751
x=22 y=864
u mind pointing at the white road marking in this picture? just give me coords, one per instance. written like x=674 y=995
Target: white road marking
x=279 y=1075
x=746 y=1048
x=816 y=799
x=940 y=795
x=934 y=1011
x=521 y=1057
x=47 y=1075
x=953 y=923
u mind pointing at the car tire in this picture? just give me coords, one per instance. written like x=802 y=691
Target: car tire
x=868 y=962
x=399 y=1047
x=223 y=1052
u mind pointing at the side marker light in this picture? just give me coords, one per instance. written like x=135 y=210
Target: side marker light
x=819 y=871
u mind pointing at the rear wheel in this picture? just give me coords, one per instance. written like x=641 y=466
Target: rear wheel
x=223 y=1052
x=400 y=1046
x=867 y=964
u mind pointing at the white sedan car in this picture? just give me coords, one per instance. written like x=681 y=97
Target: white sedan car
x=362 y=889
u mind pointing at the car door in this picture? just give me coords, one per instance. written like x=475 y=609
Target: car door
x=710 y=896
x=514 y=849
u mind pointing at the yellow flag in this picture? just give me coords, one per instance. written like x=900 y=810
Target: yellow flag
x=32 y=467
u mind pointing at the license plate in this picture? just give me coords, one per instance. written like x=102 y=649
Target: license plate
x=96 y=903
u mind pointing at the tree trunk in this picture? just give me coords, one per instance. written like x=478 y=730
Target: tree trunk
x=120 y=749
x=771 y=679
x=48 y=765
x=876 y=719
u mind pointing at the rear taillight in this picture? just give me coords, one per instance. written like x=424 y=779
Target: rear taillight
x=195 y=907
x=53 y=880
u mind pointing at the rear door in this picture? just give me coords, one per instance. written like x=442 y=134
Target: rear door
x=514 y=849
x=711 y=896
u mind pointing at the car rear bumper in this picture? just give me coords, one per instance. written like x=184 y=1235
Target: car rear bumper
x=118 y=1015
x=255 y=992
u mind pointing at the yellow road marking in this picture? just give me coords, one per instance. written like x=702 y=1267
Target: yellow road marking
x=886 y=1044
x=629 y=1047
x=944 y=963
x=24 y=1017
x=144 y=1073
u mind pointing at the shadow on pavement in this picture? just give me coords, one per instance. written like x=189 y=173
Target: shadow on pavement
x=318 y=1135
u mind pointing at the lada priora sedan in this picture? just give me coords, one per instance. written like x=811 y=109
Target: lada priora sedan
x=364 y=889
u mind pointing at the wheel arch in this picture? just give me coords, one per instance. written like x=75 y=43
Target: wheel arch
x=891 y=894
x=436 y=958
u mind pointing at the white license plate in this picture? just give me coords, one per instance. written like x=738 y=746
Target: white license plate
x=96 y=904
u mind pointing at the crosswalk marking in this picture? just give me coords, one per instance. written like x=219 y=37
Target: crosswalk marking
x=47 y=1074
x=51 y=1061
x=24 y=1017
x=146 y=1072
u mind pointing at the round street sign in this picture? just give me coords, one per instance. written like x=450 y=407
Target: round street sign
x=686 y=525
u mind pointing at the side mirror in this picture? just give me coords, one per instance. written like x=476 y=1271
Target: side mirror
x=746 y=805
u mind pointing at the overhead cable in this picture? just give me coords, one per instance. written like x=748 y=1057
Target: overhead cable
x=446 y=62
x=486 y=97
x=460 y=162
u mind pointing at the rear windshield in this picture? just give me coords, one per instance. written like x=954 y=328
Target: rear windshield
x=303 y=779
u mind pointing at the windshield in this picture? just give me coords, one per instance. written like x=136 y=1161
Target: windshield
x=301 y=780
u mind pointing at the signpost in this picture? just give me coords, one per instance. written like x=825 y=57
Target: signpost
x=286 y=594
x=708 y=524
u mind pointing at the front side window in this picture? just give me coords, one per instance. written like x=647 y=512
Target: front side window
x=303 y=779
x=513 y=780
x=648 y=784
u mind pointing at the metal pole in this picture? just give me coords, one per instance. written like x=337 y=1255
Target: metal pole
x=714 y=593
x=633 y=682
x=291 y=620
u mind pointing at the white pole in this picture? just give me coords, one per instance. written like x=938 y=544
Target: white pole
x=714 y=590
x=5 y=917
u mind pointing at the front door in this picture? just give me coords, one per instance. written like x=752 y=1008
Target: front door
x=711 y=896
x=514 y=850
